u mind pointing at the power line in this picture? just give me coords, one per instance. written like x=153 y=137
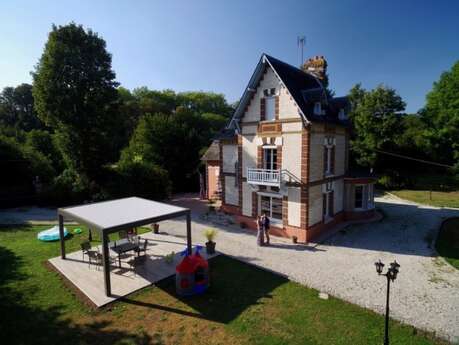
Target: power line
x=415 y=159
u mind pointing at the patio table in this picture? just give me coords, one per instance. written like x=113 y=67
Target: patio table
x=121 y=247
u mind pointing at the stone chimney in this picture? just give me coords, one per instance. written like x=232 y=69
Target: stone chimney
x=317 y=66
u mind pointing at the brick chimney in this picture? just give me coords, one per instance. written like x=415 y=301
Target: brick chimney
x=317 y=66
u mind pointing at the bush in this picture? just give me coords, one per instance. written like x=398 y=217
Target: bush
x=140 y=178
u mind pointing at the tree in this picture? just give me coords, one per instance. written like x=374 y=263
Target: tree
x=171 y=142
x=376 y=121
x=17 y=108
x=441 y=115
x=75 y=93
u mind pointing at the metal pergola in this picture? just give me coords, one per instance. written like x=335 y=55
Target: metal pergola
x=112 y=216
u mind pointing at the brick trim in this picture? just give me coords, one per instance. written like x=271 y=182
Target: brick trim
x=260 y=157
x=276 y=108
x=304 y=193
x=254 y=204
x=279 y=157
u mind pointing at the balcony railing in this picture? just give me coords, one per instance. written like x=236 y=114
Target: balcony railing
x=264 y=177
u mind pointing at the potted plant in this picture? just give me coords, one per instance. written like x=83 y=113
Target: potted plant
x=210 y=244
x=155 y=228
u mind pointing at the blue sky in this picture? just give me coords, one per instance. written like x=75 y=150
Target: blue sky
x=215 y=45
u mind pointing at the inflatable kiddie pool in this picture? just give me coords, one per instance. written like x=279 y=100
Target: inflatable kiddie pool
x=51 y=234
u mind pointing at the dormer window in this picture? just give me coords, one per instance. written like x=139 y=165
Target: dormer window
x=342 y=114
x=317 y=108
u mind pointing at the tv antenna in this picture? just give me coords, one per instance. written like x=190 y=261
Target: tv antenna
x=301 y=41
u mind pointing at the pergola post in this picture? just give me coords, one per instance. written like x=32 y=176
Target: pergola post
x=106 y=259
x=188 y=232
x=61 y=236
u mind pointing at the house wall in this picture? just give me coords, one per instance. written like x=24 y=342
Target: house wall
x=291 y=153
x=315 y=204
x=287 y=107
x=338 y=195
x=316 y=156
x=213 y=173
x=231 y=191
x=294 y=206
x=229 y=158
x=246 y=199
x=249 y=153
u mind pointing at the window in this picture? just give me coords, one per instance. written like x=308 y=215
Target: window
x=358 y=200
x=270 y=105
x=342 y=114
x=317 y=108
x=272 y=206
x=270 y=159
x=329 y=160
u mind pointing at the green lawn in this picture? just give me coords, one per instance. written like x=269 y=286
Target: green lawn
x=441 y=199
x=447 y=243
x=244 y=305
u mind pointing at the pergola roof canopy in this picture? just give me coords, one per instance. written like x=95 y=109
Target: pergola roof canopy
x=122 y=213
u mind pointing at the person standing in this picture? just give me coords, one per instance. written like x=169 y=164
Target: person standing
x=265 y=222
x=260 y=232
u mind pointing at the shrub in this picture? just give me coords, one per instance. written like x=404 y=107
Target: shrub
x=142 y=179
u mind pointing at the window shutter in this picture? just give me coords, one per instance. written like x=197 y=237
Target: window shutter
x=332 y=160
x=325 y=159
x=262 y=109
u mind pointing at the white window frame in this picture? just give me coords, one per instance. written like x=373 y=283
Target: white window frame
x=270 y=108
x=329 y=143
x=317 y=108
x=342 y=114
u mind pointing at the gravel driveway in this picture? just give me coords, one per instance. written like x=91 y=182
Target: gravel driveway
x=425 y=294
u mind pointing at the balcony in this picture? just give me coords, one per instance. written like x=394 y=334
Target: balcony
x=264 y=177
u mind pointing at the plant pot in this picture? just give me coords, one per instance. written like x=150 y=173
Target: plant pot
x=210 y=247
x=294 y=239
x=155 y=228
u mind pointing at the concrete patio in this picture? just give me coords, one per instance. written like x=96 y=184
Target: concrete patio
x=90 y=279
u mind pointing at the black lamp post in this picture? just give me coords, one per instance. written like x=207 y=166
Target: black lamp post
x=391 y=275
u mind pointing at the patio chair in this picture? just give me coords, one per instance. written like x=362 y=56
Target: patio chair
x=96 y=257
x=136 y=262
x=142 y=248
x=85 y=247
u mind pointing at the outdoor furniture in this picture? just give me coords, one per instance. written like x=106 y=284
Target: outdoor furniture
x=122 y=247
x=112 y=216
x=136 y=262
x=85 y=247
x=96 y=257
x=142 y=248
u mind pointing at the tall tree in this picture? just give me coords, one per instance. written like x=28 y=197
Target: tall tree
x=75 y=92
x=376 y=122
x=17 y=108
x=441 y=114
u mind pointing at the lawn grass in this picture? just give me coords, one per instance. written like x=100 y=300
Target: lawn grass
x=447 y=243
x=244 y=305
x=436 y=198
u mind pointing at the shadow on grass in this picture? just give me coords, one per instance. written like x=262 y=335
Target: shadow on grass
x=447 y=243
x=23 y=323
x=235 y=287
